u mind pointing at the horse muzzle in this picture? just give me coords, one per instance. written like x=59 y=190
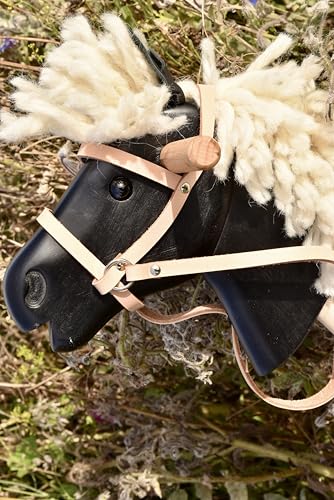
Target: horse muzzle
x=35 y=287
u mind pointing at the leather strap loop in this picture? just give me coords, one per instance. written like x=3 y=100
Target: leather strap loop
x=170 y=319
x=322 y=397
x=132 y=303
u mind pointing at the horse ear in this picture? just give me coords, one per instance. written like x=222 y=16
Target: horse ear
x=186 y=155
x=160 y=69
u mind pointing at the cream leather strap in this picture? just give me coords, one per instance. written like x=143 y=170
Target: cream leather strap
x=129 y=301
x=228 y=262
x=322 y=397
x=131 y=163
x=71 y=244
x=207 y=110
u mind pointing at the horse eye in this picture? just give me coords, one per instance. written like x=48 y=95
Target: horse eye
x=120 y=188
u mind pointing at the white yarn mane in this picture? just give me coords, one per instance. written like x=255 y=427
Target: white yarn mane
x=93 y=88
x=100 y=88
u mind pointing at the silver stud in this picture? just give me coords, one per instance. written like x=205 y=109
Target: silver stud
x=185 y=188
x=155 y=270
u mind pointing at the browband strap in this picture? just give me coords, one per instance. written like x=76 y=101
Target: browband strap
x=131 y=163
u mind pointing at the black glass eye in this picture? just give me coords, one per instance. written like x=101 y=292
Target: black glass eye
x=120 y=188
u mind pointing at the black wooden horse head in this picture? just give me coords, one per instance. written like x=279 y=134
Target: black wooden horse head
x=107 y=208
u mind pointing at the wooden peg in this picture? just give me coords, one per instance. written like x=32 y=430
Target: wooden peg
x=186 y=155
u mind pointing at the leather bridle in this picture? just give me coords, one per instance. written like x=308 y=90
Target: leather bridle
x=107 y=278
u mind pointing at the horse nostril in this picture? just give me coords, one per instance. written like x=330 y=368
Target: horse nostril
x=34 y=289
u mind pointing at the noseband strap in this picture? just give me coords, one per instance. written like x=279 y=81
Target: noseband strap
x=71 y=244
x=107 y=278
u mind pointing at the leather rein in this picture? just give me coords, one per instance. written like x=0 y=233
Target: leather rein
x=108 y=278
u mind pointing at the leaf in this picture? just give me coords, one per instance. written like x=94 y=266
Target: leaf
x=178 y=495
x=23 y=459
x=237 y=491
x=203 y=492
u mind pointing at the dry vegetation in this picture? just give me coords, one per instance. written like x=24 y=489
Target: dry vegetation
x=130 y=414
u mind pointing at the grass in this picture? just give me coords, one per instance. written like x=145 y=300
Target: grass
x=122 y=417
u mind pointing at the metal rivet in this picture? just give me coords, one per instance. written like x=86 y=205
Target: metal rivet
x=120 y=266
x=185 y=188
x=155 y=270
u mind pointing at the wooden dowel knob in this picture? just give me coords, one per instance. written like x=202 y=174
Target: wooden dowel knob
x=186 y=155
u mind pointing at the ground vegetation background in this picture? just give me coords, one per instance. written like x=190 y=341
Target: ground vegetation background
x=148 y=412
